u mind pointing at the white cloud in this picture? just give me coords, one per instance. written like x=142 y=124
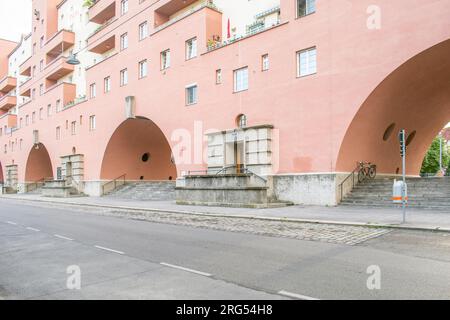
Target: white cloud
x=15 y=19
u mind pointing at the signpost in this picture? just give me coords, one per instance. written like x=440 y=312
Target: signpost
x=402 y=138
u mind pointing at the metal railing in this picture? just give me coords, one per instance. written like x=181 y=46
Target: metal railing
x=113 y=184
x=341 y=185
x=231 y=169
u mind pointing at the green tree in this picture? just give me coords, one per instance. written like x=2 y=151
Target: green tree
x=430 y=163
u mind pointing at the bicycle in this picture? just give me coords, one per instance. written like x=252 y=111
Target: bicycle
x=367 y=170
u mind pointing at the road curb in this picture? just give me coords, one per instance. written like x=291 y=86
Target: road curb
x=251 y=217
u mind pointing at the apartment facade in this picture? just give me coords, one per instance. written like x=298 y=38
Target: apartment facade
x=296 y=91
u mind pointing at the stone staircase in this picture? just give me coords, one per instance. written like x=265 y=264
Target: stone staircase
x=423 y=193
x=149 y=190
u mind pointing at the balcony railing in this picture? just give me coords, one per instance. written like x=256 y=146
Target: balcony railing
x=206 y=4
x=101 y=27
x=103 y=10
x=7 y=102
x=7 y=84
x=213 y=45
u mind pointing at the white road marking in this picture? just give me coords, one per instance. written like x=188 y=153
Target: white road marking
x=110 y=250
x=186 y=269
x=62 y=237
x=10 y=222
x=32 y=229
x=295 y=295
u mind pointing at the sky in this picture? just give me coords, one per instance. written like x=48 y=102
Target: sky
x=15 y=19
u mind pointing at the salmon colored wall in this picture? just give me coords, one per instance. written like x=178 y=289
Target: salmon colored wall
x=129 y=143
x=39 y=165
x=6 y=47
x=317 y=117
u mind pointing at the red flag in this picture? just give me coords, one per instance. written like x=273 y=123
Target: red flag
x=228 y=29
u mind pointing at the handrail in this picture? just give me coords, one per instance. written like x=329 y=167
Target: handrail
x=114 y=181
x=341 y=185
x=242 y=170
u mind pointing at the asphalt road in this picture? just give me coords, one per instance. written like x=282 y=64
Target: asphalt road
x=130 y=259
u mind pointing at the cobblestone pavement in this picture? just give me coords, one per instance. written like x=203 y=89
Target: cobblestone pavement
x=339 y=234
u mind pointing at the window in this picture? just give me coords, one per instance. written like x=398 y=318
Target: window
x=41 y=89
x=124 y=41
x=165 y=59
x=49 y=110
x=58 y=105
x=33 y=94
x=27 y=120
x=123 y=77
x=41 y=111
x=92 y=91
x=124 y=7
x=58 y=133
x=305 y=7
x=92 y=123
x=142 y=69
x=73 y=128
x=265 y=62
x=191 y=48
x=143 y=30
x=241 y=121
x=107 y=84
x=41 y=42
x=34 y=48
x=191 y=94
x=218 y=76
x=241 y=79
x=41 y=65
x=306 y=62
x=33 y=117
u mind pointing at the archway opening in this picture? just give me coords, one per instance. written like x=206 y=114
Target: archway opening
x=414 y=97
x=39 y=165
x=139 y=150
x=436 y=162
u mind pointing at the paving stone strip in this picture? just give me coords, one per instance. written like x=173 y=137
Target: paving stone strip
x=339 y=234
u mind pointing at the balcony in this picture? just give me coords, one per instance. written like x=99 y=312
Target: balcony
x=60 y=42
x=7 y=102
x=25 y=68
x=58 y=68
x=64 y=91
x=11 y=120
x=104 y=46
x=25 y=88
x=7 y=84
x=102 y=11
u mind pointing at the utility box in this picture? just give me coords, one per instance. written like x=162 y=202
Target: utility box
x=397 y=192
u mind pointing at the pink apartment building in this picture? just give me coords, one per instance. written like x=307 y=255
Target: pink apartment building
x=164 y=90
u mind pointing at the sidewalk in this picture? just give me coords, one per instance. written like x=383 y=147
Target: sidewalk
x=416 y=219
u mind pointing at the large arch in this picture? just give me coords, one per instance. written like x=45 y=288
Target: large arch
x=138 y=149
x=39 y=165
x=415 y=97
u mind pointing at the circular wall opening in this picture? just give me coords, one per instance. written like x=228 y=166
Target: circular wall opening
x=141 y=178
x=170 y=178
x=411 y=137
x=145 y=157
x=387 y=134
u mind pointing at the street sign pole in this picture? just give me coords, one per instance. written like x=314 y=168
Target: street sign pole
x=403 y=147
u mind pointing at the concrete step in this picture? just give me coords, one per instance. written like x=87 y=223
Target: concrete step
x=150 y=191
x=422 y=193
